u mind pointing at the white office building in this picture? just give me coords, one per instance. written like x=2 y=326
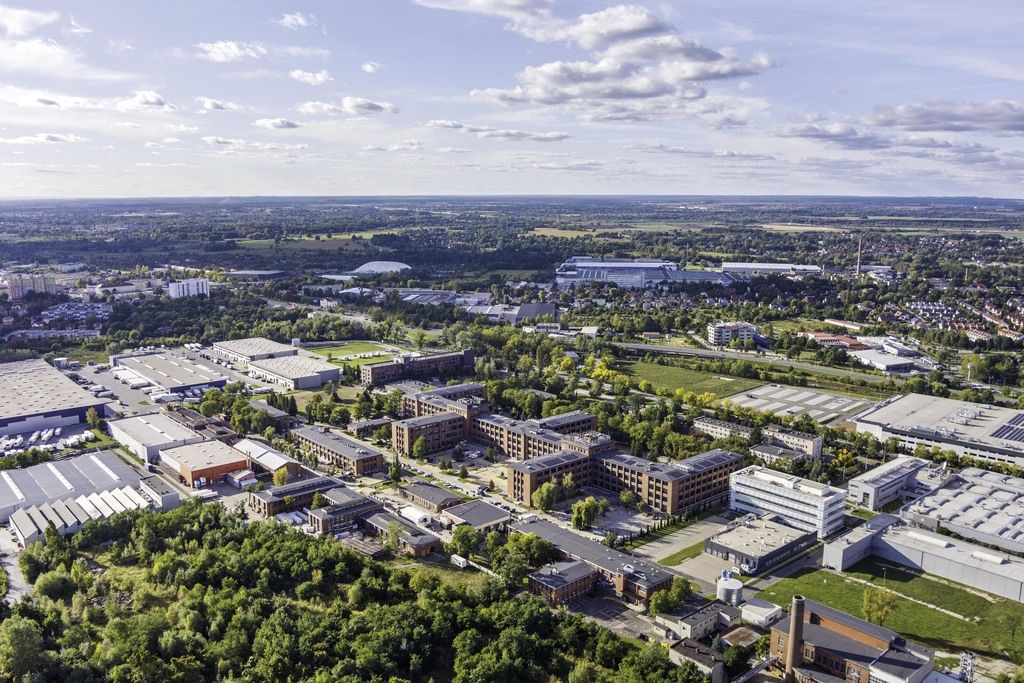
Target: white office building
x=722 y=333
x=801 y=503
x=194 y=287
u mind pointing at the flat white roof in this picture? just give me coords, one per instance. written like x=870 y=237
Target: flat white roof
x=784 y=481
x=169 y=372
x=253 y=346
x=154 y=429
x=950 y=420
x=33 y=387
x=294 y=367
x=204 y=454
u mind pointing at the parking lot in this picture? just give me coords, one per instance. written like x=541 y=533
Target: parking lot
x=614 y=615
x=128 y=401
x=820 y=405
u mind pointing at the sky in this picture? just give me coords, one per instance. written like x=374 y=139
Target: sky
x=128 y=98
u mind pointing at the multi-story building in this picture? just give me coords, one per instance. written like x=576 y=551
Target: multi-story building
x=818 y=643
x=723 y=333
x=562 y=582
x=886 y=483
x=809 y=444
x=439 y=432
x=291 y=496
x=344 y=508
x=353 y=457
x=20 y=285
x=801 y=503
x=675 y=488
x=720 y=429
x=411 y=367
x=632 y=580
x=198 y=286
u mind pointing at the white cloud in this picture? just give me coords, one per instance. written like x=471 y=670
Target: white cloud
x=639 y=68
x=519 y=12
x=230 y=51
x=372 y=67
x=303 y=51
x=296 y=20
x=41 y=139
x=841 y=134
x=48 y=58
x=403 y=146
x=353 y=106
x=239 y=145
x=211 y=104
x=275 y=124
x=75 y=29
x=318 y=78
x=145 y=100
x=33 y=98
x=21 y=22
x=182 y=128
x=500 y=133
x=999 y=116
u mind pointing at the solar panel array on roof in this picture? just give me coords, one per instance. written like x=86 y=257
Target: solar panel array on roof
x=1009 y=432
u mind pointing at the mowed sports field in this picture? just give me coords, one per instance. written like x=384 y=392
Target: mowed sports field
x=668 y=377
x=336 y=352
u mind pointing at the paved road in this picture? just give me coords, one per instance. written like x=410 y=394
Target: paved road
x=776 y=361
x=16 y=584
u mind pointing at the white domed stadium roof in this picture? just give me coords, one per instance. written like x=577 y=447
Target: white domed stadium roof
x=374 y=267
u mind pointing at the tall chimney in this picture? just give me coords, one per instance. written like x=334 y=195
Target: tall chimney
x=795 y=642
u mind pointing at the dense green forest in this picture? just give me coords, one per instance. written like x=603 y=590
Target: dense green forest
x=195 y=594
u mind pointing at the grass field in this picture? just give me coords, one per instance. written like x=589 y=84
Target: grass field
x=692 y=380
x=992 y=628
x=303 y=396
x=680 y=556
x=337 y=351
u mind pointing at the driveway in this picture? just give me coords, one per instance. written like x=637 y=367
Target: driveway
x=10 y=551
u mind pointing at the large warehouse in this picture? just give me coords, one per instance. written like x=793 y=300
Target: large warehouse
x=204 y=463
x=295 y=372
x=167 y=372
x=976 y=504
x=147 y=435
x=52 y=481
x=34 y=396
x=980 y=431
x=254 y=348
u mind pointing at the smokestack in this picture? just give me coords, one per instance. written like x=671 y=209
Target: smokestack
x=795 y=642
x=860 y=249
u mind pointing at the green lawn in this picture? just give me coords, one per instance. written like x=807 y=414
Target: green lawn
x=337 y=351
x=303 y=396
x=680 y=556
x=348 y=348
x=994 y=629
x=674 y=378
